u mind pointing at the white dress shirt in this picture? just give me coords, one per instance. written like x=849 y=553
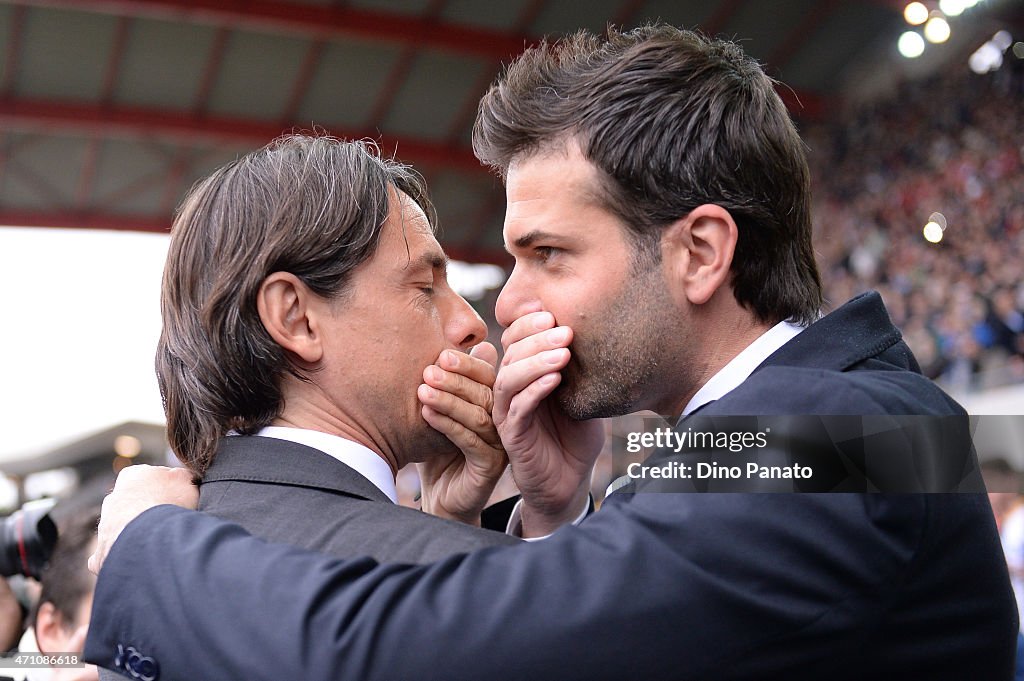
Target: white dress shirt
x=362 y=459
x=742 y=365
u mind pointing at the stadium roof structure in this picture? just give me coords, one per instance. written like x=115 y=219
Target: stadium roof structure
x=111 y=109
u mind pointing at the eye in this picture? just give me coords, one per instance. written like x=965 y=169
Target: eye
x=544 y=253
x=427 y=290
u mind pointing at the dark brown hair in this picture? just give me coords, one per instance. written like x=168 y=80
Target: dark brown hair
x=66 y=581
x=672 y=120
x=313 y=206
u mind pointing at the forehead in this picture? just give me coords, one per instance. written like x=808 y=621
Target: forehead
x=407 y=237
x=558 y=192
x=405 y=212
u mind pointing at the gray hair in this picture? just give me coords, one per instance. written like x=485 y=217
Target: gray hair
x=310 y=205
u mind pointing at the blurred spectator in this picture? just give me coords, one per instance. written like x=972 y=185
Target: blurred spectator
x=1003 y=483
x=65 y=602
x=953 y=144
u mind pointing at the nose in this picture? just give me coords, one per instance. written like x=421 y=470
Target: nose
x=513 y=300
x=465 y=328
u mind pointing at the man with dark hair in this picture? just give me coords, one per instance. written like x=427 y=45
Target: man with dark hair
x=658 y=213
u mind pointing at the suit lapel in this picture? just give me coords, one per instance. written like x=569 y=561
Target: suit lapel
x=280 y=462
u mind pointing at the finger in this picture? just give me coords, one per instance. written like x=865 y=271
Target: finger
x=523 y=406
x=158 y=485
x=462 y=437
x=515 y=378
x=460 y=387
x=473 y=368
x=549 y=339
x=470 y=416
x=478 y=452
x=141 y=477
x=527 y=325
x=130 y=475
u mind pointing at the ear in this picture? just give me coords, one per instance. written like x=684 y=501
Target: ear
x=286 y=310
x=51 y=634
x=698 y=250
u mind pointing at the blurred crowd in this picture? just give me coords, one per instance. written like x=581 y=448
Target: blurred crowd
x=954 y=145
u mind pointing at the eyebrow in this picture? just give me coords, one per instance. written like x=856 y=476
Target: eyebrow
x=434 y=260
x=536 y=235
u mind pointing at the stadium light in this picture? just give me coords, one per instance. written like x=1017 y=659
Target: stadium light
x=1002 y=40
x=934 y=228
x=989 y=57
x=937 y=30
x=952 y=8
x=911 y=45
x=915 y=13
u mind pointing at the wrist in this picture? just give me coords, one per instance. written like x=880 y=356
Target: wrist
x=464 y=518
x=434 y=506
x=541 y=520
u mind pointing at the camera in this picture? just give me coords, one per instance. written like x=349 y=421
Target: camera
x=27 y=538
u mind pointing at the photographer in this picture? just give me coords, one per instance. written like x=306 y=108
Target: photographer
x=62 y=613
x=27 y=538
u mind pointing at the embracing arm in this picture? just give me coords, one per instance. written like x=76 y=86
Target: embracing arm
x=271 y=611
x=664 y=586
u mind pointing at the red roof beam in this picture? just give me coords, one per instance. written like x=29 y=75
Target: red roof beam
x=87 y=177
x=162 y=224
x=314 y=53
x=798 y=37
x=312 y=20
x=804 y=104
x=400 y=71
x=84 y=220
x=467 y=111
x=173 y=179
x=717 y=22
x=212 y=69
x=141 y=123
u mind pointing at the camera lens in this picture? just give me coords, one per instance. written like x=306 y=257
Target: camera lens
x=27 y=538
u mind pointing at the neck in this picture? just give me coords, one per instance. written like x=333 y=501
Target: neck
x=311 y=413
x=721 y=338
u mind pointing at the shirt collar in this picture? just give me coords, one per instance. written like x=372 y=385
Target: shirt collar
x=742 y=365
x=363 y=460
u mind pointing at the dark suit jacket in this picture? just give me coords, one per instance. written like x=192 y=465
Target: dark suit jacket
x=653 y=586
x=287 y=492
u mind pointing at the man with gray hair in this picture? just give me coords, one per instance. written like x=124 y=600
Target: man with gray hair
x=310 y=341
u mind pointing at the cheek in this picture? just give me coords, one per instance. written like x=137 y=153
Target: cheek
x=420 y=341
x=573 y=305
